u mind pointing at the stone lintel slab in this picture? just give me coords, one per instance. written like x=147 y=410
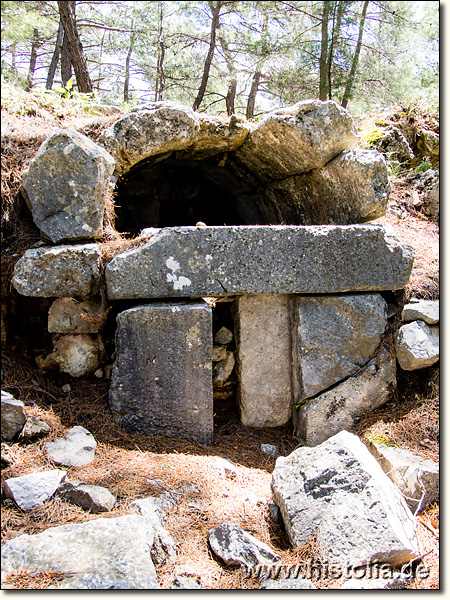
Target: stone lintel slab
x=222 y=261
x=162 y=378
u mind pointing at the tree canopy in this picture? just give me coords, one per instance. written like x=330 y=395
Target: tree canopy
x=244 y=57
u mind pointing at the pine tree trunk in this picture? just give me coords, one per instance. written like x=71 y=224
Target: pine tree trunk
x=66 y=64
x=231 y=94
x=55 y=58
x=252 y=95
x=126 y=85
x=212 y=45
x=33 y=57
x=351 y=78
x=323 y=61
x=77 y=57
x=159 y=83
x=231 y=97
x=334 y=39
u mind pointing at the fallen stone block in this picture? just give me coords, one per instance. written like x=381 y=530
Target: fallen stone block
x=338 y=492
x=352 y=188
x=75 y=450
x=77 y=355
x=297 y=139
x=13 y=416
x=417 y=345
x=100 y=554
x=263 y=354
x=225 y=261
x=167 y=349
x=237 y=548
x=334 y=336
x=339 y=408
x=59 y=271
x=94 y=498
x=415 y=477
x=33 y=490
x=423 y=310
x=223 y=369
x=66 y=185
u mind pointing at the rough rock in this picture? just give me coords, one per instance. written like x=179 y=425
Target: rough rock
x=333 y=337
x=423 y=310
x=428 y=145
x=338 y=492
x=297 y=139
x=13 y=416
x=59 y=271
x=416 y=478
x=269 y=450
x=161 y=128
x=224 y=467
x=352 y=188
x=394 y=145
x=65 y=187
x=100 y=554
x=342 y=406
x=185 y=583
x=223 y=369
x=78 y=355
x=223 y=261
x=168 y=349
x=68 y=315
x=431 y=202
x=235 y=547
x=7 y=459
x=223 y=337
x=219 y=353
x=33 y=490
x=417 y=345
x=288 y=583
x=75 y=450
x=34 y=427
x=264 y=359
x=94 y=498
x=155 y=509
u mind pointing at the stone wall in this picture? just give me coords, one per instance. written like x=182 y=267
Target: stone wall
x=303 y=274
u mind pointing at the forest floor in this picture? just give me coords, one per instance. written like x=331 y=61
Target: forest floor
x=136 y=466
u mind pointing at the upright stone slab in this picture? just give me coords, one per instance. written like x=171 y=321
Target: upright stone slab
x=264 y=359
x=162 y=377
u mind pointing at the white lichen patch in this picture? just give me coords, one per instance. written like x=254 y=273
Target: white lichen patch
x=179 y=282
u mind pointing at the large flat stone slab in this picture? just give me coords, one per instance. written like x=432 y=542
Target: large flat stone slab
x=263 y=327
x=219 y=261
x=333 y=337
x=162 y=377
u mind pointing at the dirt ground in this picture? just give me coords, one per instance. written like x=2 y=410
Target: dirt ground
x=135 y=466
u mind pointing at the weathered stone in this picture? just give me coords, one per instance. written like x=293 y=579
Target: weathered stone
x=342 y=406
x=394 y=145
x=224 y=336
x=162 y=377
x=264 y=359
x=223 y=369
x=34 y=427
x=333 y=337
x=33 y=490
x=338 y=492
x=428 y=145
x=416 y=478
x=99 y=554
x=161 y=128
x=431 y=202
x=78 y=355
x=185 y=583
x=352 y=188
x=94 y=498
x=297 y=139
x=75 y=450
x=235 y=547
x=269 y=450
x=224 y=467
x=7 y=459
x=423 y=310
x=65 y=187
x=222 y=261
x=68 y=315
x=59 y=271
x=13 y=416
x=417 y=345
x=288 y=583
x=219 y=353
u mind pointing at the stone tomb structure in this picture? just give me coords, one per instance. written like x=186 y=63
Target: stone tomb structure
x=270 y=217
